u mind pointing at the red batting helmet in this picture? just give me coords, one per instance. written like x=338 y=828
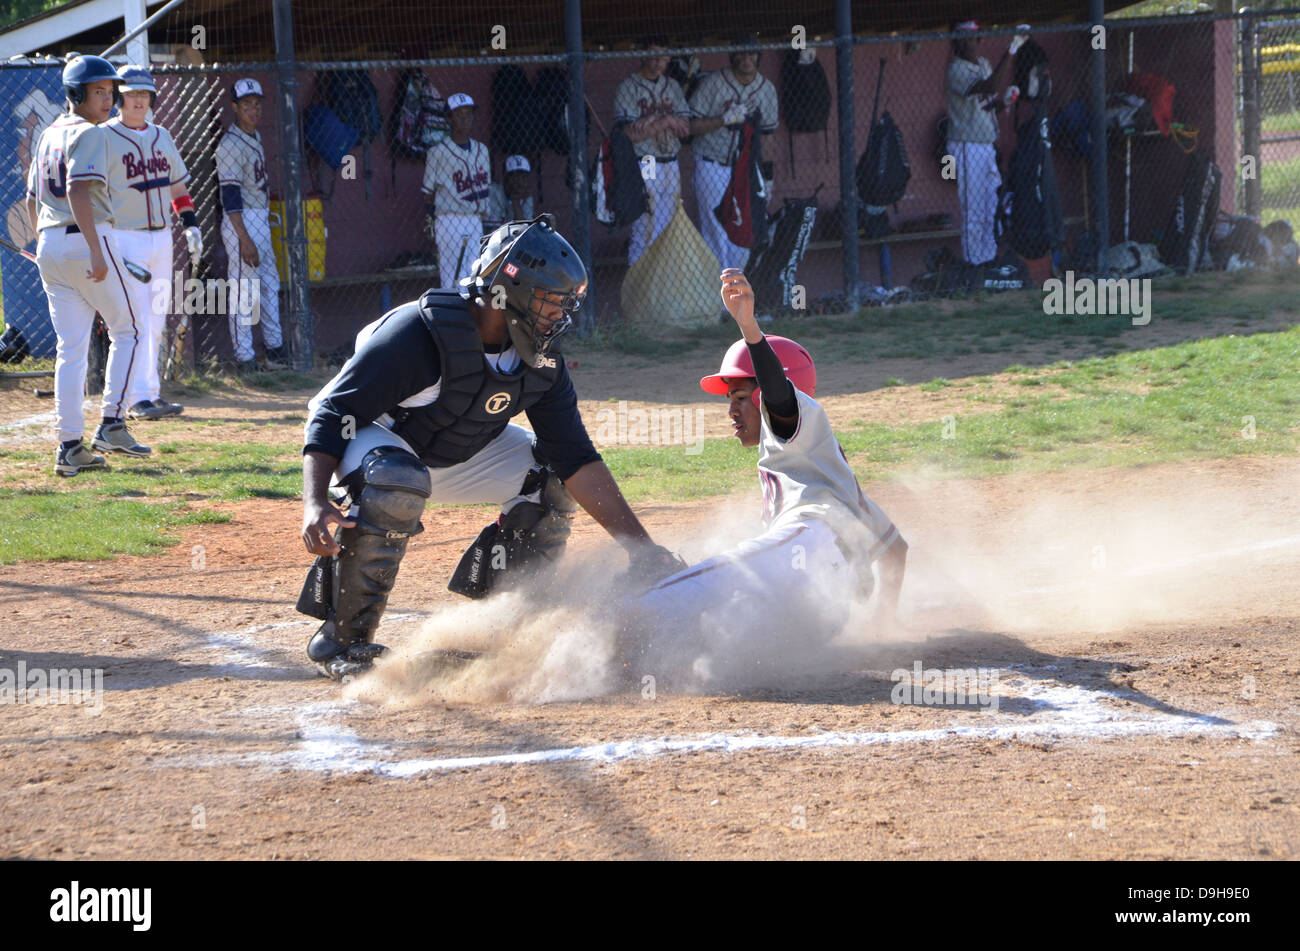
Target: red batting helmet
x=736 y=362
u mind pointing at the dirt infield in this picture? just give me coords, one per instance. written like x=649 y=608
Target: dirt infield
x=1138 y=628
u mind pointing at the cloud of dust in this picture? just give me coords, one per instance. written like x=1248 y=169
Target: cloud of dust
x=1096 y=552
x=1071 y=553
x=577 y=635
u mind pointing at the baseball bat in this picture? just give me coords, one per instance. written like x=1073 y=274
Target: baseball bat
x=136 y=271
x=176 y=353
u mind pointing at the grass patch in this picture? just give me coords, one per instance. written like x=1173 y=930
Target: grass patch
x=135 y=506
x=82 y=525
x=1180 y=402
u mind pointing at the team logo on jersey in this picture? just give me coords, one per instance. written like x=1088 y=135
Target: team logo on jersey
x=463 y=182
x=511 y=269
x=497 y=403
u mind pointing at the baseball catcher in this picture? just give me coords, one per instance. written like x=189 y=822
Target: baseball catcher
x=822 y=537
x=422 y=412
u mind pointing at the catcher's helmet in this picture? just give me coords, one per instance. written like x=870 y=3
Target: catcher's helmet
x=82 y=70
x=795 y=360
x=138 y=79
x=532 y=265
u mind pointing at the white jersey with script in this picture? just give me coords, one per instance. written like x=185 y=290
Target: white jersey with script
x=143 y=165
x=808 y=476
x=241 y=161
x=70 y=150
x=458 y=177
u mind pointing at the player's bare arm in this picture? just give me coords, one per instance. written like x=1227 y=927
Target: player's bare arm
x=33 y=212
x=319 y=516
x=84 y=213
x=593 y=487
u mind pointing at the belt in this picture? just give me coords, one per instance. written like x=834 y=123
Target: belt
x=159 y=228
x=72 y=229
x=672 y=158
x=713 y=161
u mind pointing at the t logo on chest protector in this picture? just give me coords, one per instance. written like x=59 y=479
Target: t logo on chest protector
x=497 y=403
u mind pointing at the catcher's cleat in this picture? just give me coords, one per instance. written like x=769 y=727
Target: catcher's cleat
x=115 y=437
x=70 y=461
x=352 y=662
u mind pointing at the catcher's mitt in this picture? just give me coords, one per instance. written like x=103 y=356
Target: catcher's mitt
x=648 y=565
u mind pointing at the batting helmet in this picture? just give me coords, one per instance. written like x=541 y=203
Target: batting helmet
x=532 y=265
x=736 y=362
x=83 y=70
x=138 y=79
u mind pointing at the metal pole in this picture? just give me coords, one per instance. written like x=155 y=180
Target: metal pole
x=1250 y=118
x=295 y=233
x=848 y=177
x=1097 y=105
x=141 y=28
x=581 y=236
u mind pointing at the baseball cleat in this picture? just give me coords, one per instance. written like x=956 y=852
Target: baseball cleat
x=68 y=462
x=353 y=662
x=145 y=410
x=276 y=359
x=115 y=437
x=168 y=409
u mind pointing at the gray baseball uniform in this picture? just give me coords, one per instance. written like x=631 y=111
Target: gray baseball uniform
x=74 y=150
x=241 y=171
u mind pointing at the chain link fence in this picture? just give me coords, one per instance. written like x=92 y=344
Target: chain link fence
x=698 y=158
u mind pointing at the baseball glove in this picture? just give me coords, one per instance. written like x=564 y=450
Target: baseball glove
x=648 y=565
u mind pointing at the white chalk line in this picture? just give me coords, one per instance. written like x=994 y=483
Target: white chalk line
x=240 y=649
x=1075 y=712
x=1060 y=712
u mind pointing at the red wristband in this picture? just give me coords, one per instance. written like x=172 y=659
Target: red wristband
x=182 y=204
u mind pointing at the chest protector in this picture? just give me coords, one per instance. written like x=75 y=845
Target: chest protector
x=475 y=402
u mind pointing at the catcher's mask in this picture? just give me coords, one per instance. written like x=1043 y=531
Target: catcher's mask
x=537 y=275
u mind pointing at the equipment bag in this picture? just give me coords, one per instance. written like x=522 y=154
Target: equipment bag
x=327 y=135
x=1191 y=223
x=516 y=127
x=352 y=97
x=807 y=97
x=742 y=211
x=551 y=108
x=1029 y=206
x=774 y=271
x=1159 y=94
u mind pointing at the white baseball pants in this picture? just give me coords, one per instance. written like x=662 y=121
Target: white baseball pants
x=494 y=474
x=711 y=180
x=153 y=251
x=263 y=304
x=732 y=614
x=74 y=298
x=458 y=241
x=663 y=185
x=977 y=193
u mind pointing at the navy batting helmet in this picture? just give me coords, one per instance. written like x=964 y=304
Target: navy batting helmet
x=532 y=265
x=83 y=70
x=138 y=79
